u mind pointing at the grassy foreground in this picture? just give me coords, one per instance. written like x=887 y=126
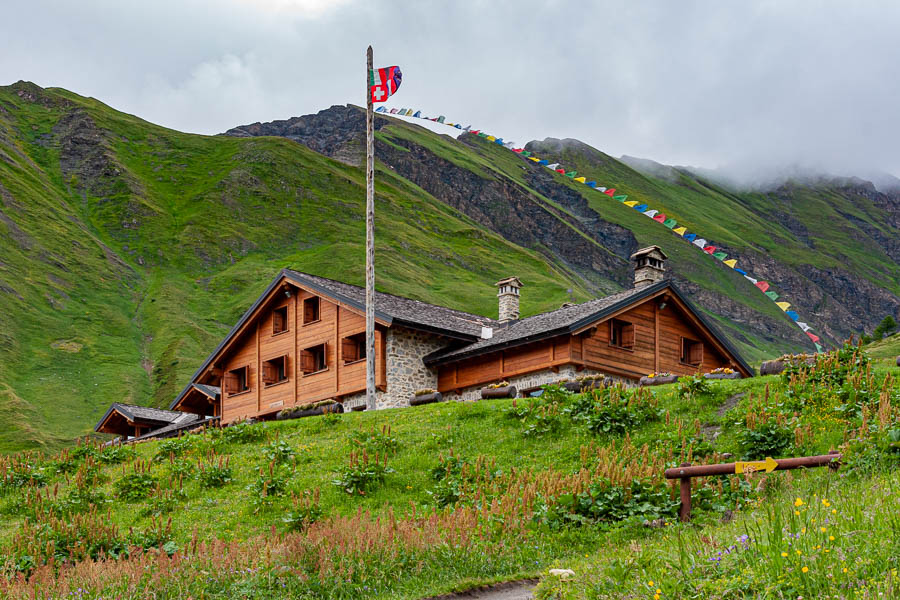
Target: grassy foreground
x=414 y=502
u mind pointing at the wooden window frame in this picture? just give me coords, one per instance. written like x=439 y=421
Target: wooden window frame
x=284 y=370
x=685 y=352
x=361 y=348
x=613 y=324
x=303 y=354
x=285 y=322
x=318 y=302
x=247 y=386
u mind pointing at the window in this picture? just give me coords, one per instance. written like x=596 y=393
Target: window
x=279 y=320
x=353 y=348
x=275 y=370
x=237 y=380
x=691 y=352
x=310 y=310
x=621 y=334
x=313 y=360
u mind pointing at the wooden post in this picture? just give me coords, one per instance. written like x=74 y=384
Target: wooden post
x=370 y=238
x=684 y=513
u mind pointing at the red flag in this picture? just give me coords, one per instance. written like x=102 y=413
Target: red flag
x=812 y=336
x=517 y=150
x=762 y=285
x=660 y=217
x=610 y=191
x=709 y=249
x=563 y=171
x=383 y=83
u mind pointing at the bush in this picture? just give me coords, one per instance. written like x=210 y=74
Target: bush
x=691 y=386
x=614 y=410
x=767 y=439
x=604 y=502
x=269 y=484
x=306 y=511
x=375 y=441
x=242 y=433
x=279 y=452
x=362 y=475
x=136 y=486
x=116 y=454
x=173 y=447
x=214 y=474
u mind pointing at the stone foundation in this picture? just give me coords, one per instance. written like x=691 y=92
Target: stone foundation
x=529 y=381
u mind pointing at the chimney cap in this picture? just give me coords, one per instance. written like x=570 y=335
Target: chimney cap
x=513 y=281
x=649 y=250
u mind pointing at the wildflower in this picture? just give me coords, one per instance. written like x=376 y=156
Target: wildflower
x=784 y=555
x=805 y=569
x=845 y=569
x=797 y=512
x=823 y=529
x=834 y=511
x=799 y=553
x=798 y=502
x=831 y=538
x=649 y=584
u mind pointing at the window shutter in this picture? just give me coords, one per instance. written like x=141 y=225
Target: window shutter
x=269 y=373
x=349 y=350
x=324 y=364
x=696 y=353
x=628 y=335
x=231 y=383
x=309 y=310
x=278 y=321
x=307 y=361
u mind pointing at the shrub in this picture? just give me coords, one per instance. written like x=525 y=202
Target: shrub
x=606 y=502
x=279 y=452
x=163 y=501
x=614 y=410
x=137 y=485
x=214 y=473
x=269 y=484
x=173 y=447
x=458 y=480
x=306 y=511
x=375 y=441
x=242 y=433
x=331 y=416
x=766 y=439
x=21 y=472
x=691 y=386
x=116 y=454
x=362 y=475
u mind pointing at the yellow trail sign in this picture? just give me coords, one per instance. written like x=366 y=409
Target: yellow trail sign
x=767 y=465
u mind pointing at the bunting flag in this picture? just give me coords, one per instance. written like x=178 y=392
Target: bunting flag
x=392 y=82
x=384 y=82
x=819 y=348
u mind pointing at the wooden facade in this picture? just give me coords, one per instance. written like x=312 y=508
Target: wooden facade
x=287 y=355
x=657 y=334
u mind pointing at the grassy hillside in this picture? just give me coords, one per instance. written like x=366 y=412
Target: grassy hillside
x=885 y=351
x=128 y=250
x=420 y=501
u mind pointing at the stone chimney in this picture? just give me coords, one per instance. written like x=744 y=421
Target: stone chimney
x=649 y=266
x=508 y=294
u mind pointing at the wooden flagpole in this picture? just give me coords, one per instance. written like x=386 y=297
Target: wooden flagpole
x=370 y=239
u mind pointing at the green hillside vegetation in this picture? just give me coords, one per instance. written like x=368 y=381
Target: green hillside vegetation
x=419 y=501
x=129 y=249
x=885 y=351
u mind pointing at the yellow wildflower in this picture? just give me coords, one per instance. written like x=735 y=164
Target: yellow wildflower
x=831 y=537
x=798 y=502
x=805 y=569
x=784 y=555
x=823 y=529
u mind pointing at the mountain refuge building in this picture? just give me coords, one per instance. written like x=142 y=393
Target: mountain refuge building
x=303 y=342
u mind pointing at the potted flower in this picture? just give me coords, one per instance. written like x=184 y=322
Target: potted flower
x=425 y=396
x=499 y=390
x=310 y=410
x=723 y=373
x=658 y=378
x=593 y=381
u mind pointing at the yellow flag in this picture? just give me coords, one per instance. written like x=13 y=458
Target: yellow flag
x=491 y=138
x=534 y=159
x=580 y=179
x=680 y=230
x=783 y=305
x=731 y=262
x=630 y=203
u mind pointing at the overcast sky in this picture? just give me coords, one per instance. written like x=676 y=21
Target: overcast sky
x=757 y=84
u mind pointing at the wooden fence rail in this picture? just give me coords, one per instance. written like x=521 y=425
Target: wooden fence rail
x=686 y=471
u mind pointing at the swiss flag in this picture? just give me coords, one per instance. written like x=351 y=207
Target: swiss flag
x=383 y=83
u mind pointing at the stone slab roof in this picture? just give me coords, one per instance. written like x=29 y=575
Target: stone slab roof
x=146 y=414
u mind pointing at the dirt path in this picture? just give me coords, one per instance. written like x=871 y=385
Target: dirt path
x=513 y=590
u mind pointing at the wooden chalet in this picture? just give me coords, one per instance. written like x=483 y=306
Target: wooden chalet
x=302 y=342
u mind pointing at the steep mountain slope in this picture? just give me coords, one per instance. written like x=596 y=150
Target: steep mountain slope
x=127 y=250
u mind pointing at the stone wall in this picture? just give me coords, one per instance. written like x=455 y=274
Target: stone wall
x=406 y=372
